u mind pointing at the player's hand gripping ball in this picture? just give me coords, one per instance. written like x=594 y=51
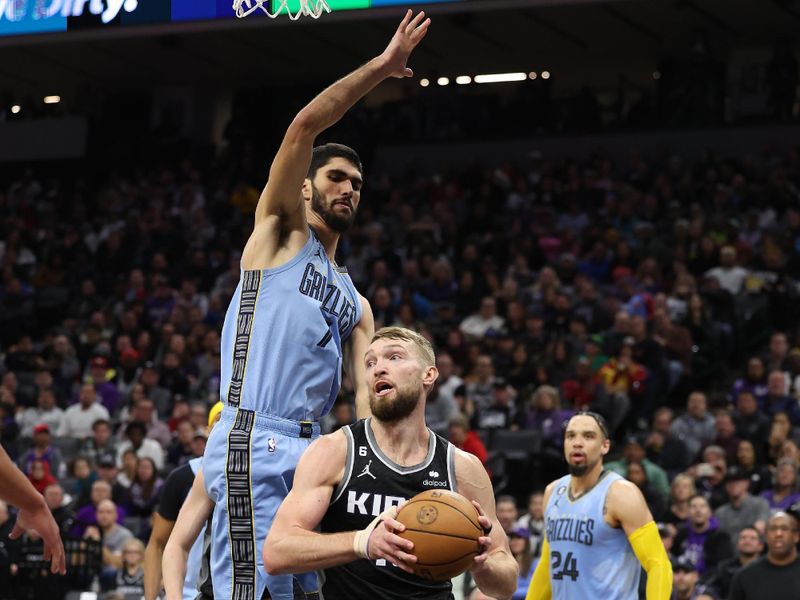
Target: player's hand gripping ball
x=445 y=529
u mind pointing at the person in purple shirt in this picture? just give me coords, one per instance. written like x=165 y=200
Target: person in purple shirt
x=785 y=492
x=700 y=540
x=546 y=415
x=106 y=390
x=86 y=516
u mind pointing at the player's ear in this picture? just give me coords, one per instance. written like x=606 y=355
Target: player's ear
x=429 y=376
x=306 y=190
x=606 y=446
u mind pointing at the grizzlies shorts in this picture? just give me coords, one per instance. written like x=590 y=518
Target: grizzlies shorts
x=249 y=466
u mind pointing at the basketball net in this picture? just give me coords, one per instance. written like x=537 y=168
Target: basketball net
x=308 y=8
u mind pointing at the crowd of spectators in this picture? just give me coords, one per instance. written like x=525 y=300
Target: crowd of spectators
x=659 y=292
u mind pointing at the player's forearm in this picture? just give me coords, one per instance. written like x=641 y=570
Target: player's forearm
x=498 y=577
x=173 y=566
x=153 y=555
x=307 y=551
x=332 y=103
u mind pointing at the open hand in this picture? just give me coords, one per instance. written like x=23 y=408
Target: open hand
x=409 y=33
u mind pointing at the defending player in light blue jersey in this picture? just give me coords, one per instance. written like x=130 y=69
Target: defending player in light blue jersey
x=294 y=321
x=598 y=529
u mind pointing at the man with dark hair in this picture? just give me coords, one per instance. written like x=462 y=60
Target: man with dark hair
x=599 y=533
x=136 y=432
x=101 y=442
x=749 y=547
x=700 y=539
x=777 y=575
x=294 y=321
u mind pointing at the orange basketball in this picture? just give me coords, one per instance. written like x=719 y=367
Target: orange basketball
x=444 y=528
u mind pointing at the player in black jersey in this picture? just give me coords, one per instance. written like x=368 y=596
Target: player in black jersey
x=349 y=484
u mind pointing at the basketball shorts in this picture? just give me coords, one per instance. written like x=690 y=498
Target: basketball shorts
x=249 y=466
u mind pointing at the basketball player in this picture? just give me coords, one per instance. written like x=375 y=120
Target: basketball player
x=597 y=525
x=34 y=516
x=350 y=482
x=295 y=317
x=173 y=494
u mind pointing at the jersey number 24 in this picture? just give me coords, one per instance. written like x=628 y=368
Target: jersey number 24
x=569 y=568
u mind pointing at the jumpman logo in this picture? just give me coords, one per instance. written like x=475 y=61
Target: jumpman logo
x=366 y=471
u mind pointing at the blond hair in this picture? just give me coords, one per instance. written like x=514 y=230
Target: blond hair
x=423 y=346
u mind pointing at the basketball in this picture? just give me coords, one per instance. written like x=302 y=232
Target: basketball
x=444 y=528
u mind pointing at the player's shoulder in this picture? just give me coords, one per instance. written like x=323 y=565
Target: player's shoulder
x=330 y=443
x=465 y=461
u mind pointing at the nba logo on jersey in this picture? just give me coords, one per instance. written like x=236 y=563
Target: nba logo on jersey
x=271 y=444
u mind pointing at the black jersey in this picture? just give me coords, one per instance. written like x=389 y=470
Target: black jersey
x=371 y=484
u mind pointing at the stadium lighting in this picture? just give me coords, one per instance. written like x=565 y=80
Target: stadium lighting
x=500 y=77
x=443 y=81
x=15 y=109
x=52 y=99
x=545 y=74
x=424 y=82
x=463 y=79
x=532 y=75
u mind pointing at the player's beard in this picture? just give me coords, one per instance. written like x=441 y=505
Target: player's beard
x=336 y=221
x=581 y=470
x=391 y=411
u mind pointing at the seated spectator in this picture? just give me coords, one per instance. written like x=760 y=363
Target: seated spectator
x=500 y=413
x=83 y=478
x=638 y=476
x=754 y=382
x=520 y=545
x=742 y=509
x=633 y=451
x=583 y=390
x=44 y=413
x=533 y=522
x=759 y=474
x=63 y=515
x=145 y=489
x=126 y=475
x=180 y=450
x=130 y=575
x=79 y=418
x=144 y=412
x=695 y=427
x=700 y=540
x=87 y=515
x=663 y=448
x=749 y=547
x=101 y=377
x=42 y=450
x=725 y=436
x=710 y=476
x=681 y=490
x=785 y=491
x=686 y=581
x=478 y=384
x=778 y=400
x=624 y=383
x=136 y=432
x=107 y=471
x=462 y=437
x=544 y=413
x=113 y=536
x=39 y=475
x=507 y=512
x=729 y=274
x=486 y=318
x=751 y=424
x=101 y=442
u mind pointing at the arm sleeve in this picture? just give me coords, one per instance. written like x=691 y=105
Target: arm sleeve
x=649 y=549
x=540 y=583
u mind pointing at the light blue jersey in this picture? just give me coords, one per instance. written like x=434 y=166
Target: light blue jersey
x=281 y=363
x=588 y=557
x=283 y=335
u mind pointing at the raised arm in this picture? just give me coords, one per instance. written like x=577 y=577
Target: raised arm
x=194 y=513
x=627 y=507
x=495 y=570
x=281 y=196
x=355 y=350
